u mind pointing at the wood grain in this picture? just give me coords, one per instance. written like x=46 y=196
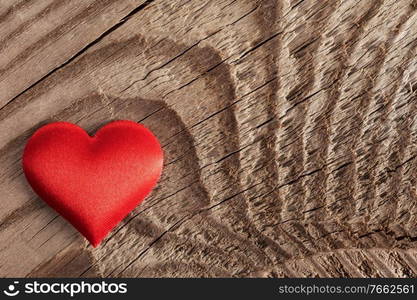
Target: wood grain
x=288 y=129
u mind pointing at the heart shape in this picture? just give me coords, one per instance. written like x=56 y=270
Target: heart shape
x=93 y=182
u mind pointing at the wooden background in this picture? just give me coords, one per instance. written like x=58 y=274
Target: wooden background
x=289 y=129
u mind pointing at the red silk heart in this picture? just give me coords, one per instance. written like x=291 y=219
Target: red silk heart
x=93 y=182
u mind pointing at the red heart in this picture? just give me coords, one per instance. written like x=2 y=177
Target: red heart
x=93 y=182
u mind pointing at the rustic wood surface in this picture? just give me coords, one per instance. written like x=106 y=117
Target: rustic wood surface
x=289 y=130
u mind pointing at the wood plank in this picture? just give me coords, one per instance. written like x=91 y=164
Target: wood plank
x=38 y=36
x=288 y=131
